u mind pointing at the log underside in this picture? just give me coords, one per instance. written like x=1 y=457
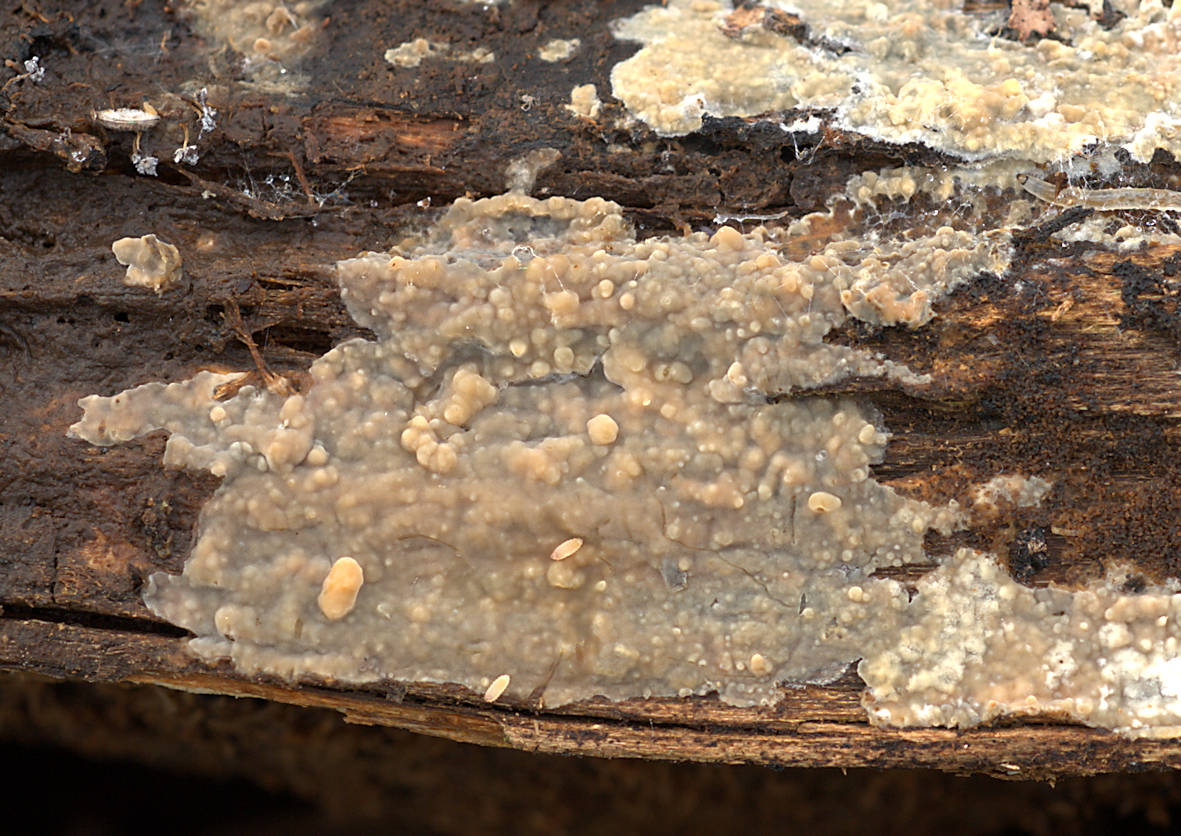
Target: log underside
x=1065 y=368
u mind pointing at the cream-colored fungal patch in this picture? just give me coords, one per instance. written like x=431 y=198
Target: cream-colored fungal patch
x=976 y=645
x=721 y=541
x=453 y=455
x=338 y=593
x=584 y=101
x=893 y=280
x=150 y=263
x=559 y=50
x=1122 y=235
x=520 y=175
x=1009 y=490
x=921 y=71
x=272 y=36
x=413 y=53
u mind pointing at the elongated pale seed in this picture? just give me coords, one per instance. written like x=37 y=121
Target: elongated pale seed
x=566 y=548
x=497 y=688
x=338 y=595
x=127 y=118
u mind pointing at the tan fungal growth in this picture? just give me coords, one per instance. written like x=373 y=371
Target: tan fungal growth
x=1007 y=491
x=497 y=688
x=737 y=528
x=270 y=36
x=412 y=53
x=559 y=50
x=584 y=101
x=338 y=595
x=150 y=263
x=540 y=373
x=923 y=71
x=566 y=548
x=976 y=645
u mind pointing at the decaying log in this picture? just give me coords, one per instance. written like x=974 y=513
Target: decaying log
x=1068 y=364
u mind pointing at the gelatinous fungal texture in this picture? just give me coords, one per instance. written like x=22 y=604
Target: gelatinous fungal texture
x=545 y=385
x=923 y=71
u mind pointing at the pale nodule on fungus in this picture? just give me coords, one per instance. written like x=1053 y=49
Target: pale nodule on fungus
x=602 y=429
x=823 y=502
x=150 y=263
x=338 y=593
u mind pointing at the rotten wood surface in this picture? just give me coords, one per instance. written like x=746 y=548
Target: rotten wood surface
x=1066 y=367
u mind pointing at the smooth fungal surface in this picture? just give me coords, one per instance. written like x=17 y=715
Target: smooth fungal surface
x=923 y=71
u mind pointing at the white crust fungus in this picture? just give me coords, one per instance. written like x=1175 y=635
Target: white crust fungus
x=150 y=263
x=924 y=71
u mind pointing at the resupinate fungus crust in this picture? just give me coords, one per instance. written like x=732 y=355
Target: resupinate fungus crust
x=579 y=463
